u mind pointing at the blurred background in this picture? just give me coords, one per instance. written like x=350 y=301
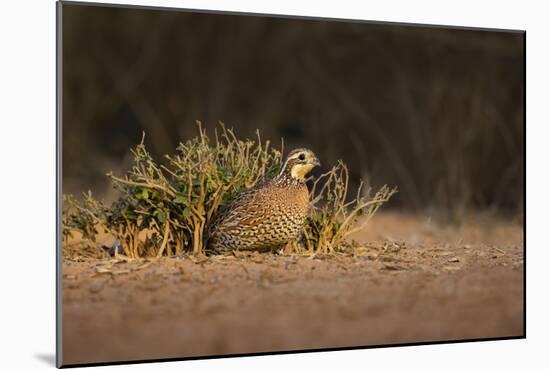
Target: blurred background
x=436 y=112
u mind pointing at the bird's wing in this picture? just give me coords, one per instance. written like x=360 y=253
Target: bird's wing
x=246 y=207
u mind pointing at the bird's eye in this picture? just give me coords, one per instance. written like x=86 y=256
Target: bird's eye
x=302 y=156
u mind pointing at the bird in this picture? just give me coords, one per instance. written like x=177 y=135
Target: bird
x=268 y=215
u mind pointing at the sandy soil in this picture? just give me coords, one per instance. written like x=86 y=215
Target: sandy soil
x=408 y=281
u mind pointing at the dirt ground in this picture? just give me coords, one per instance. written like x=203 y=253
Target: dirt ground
x=409 y=280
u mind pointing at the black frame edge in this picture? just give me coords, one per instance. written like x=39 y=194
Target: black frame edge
x=286 y=16
x=305 y=351
x=58 y=183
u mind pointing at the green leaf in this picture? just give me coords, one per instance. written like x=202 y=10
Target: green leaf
x=180 y=199
x=161 y=217
x=186 y=212
x=145 y=194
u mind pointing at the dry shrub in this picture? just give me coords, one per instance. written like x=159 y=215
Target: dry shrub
x=164 y=209
x=337 y=217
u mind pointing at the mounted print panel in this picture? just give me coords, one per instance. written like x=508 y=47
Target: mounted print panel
x=240 y=184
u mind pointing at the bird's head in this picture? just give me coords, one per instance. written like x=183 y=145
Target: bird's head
x=299 y=163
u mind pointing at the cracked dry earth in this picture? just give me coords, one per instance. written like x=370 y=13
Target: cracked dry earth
x=408 y=280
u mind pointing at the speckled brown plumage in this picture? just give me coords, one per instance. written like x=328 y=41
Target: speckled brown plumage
x=268 y=215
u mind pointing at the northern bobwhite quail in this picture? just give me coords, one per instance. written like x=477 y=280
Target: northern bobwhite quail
x=268 y=215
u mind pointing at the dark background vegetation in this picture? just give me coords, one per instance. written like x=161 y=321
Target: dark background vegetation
x=436 y=112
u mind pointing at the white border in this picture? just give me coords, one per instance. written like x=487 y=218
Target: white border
x=28 y=180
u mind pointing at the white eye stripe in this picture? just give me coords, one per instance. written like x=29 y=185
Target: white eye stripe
x=297 y=155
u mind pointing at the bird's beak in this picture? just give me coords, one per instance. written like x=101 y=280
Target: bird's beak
x=316 y=162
